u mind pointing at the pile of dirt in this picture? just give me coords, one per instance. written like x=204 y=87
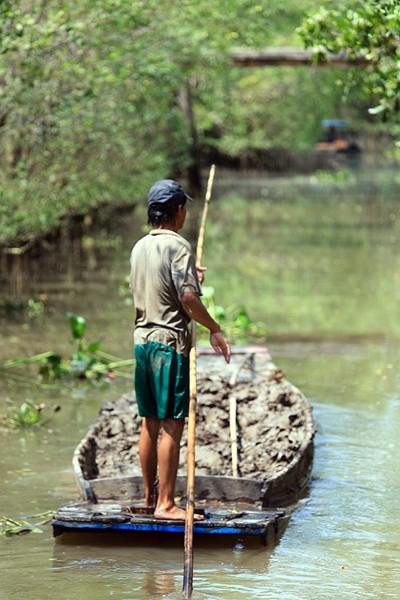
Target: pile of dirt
x=274 y=422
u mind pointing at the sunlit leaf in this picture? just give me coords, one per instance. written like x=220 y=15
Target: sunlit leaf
x=78 y=325
x=208 y=292
x=220 y=314
x=94 y=347
x=377 y=109
x=241 y=319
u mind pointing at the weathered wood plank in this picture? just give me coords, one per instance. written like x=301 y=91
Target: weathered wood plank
x=284 y=56
x=102 y=517
x=126 y=489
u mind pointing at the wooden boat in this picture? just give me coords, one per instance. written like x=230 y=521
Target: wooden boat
x=252 y=411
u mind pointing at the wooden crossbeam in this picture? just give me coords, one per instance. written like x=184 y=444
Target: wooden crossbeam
x=285 y=56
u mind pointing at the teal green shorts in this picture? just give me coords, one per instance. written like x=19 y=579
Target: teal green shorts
x=161 y=381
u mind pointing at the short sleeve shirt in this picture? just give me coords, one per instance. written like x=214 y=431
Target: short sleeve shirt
x=162 y=269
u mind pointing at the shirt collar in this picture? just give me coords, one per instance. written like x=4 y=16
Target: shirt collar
x=163 y=232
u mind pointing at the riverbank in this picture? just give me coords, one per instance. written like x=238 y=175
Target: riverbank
x=76 y=238
x=69 y=247
x=341 y=262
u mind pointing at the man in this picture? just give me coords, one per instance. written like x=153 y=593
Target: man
x=166 y=289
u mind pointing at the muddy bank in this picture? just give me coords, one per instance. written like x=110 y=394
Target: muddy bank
x=274 y=422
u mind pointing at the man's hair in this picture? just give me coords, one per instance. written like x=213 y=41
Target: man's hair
x=158 y=213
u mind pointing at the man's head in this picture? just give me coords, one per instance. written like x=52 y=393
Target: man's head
x=164 y=199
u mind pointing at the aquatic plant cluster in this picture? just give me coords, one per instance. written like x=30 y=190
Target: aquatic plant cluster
x=9 y=527
x=29 y=414
x=34 y=307
x=88 y=362
x=234 y=320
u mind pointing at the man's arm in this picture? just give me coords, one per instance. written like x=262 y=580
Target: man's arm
x=198 y=312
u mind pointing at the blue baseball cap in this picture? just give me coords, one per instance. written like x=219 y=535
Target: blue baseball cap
x=167 y=192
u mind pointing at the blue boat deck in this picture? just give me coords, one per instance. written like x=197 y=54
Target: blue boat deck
x=239 y=521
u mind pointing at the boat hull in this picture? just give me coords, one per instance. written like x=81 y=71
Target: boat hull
x=276 y=414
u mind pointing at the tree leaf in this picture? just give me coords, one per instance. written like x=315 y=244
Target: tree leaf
x=78 y=326
x=377 y=109
x=94 y=346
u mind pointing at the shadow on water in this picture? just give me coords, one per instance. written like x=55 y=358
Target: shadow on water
x=154 y=540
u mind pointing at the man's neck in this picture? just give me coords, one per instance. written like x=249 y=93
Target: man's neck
x=168 y=226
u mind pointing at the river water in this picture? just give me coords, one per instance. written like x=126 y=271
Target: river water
x=319 y=266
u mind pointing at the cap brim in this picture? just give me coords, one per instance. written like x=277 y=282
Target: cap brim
x=188 y=197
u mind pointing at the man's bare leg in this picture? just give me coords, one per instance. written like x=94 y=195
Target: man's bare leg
x=148 y=455
x=168 y=462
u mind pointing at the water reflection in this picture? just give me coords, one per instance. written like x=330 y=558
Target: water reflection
x=152 y=565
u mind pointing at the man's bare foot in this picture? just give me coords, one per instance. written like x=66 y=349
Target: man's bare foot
x=174 y=514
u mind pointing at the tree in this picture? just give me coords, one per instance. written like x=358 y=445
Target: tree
x=92 y=96
x=365 y=27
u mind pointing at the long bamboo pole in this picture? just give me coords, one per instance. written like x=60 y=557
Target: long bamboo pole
x=233 y=432
x=188 y=556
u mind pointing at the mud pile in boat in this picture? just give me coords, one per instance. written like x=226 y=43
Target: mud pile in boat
x=273 y=418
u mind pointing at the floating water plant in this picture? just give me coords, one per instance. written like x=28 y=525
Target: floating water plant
x=9 y=527
x=87 y=362
x=234 y=320
x=34 y=308
x=29 y=414
x=124 y=291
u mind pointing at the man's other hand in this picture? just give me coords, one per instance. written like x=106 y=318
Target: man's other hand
x=220 y=344
x=200 y=273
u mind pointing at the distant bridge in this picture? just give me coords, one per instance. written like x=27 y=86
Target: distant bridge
x=292 y=57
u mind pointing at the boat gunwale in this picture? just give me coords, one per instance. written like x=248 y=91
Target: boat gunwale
x=272 y=491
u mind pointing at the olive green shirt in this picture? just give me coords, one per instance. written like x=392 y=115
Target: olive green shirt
x=162 y=270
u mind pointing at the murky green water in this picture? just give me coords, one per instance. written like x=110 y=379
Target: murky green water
x=278 y=255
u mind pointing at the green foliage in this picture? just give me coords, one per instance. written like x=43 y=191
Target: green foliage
x=368 y=28
x=258 y=110
x=85 y=362
x=12 y=307
x=91 y=98
x=88 y=362
x=88 y=96
x=234 y=320
x=124 y=291
x=9 y=527
x=78 y=328
x=54 y=367
x=341 y=177
x=33 y=309
x=27 y=415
